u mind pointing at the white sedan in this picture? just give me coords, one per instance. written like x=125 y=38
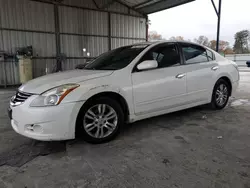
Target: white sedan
x=122 y=86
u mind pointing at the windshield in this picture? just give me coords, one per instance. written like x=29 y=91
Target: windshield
x=116 y=59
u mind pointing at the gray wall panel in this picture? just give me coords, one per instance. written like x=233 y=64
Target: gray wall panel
x=80 y=3
x=73 y=46
x=2 y=74
x=135 y=13
x=43 y=66
x=70 y=64
x=74 y=22
x=81 y=21
x=9 y=73
x=106 y=4
x=24 y=14
x=40 y=67
x=43 y=44
x=117 y=7
x=115 y=43
x=1 y=41
x=127 y=26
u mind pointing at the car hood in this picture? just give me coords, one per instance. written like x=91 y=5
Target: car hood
x=44 y=83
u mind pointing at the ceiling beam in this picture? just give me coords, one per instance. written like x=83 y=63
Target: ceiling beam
x=96 y=4
x=141 y=4
x=216 y=11
x=129 y=7
x=162 y=5
x=108 y=4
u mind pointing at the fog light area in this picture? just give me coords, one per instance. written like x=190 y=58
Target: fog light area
x=34 y=128
x=37 y=129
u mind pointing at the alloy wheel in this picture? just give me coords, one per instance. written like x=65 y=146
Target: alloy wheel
x=100 y=121
x=221 y=95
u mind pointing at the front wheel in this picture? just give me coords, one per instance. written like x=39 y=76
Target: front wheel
x=100 y=121
x=221 y=94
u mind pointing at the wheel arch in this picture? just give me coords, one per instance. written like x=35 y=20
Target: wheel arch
x=109 y=94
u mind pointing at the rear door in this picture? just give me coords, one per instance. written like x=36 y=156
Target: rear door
x=201 y=70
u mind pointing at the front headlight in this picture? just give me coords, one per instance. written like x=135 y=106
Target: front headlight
x=53 y=96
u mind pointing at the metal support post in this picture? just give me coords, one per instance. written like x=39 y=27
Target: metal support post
x=4 y=74
x=218 y=27
x=147 y=27
x=58 y=39
x=109 y=30
x=218 y=13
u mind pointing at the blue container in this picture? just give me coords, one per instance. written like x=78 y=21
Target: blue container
x=248 y=63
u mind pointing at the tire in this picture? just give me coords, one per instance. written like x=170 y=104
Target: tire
x=100 y=121
x=220 y=100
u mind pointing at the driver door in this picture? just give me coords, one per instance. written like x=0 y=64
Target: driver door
x=161 y=88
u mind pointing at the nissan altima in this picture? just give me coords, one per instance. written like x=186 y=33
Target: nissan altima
x=121 y=86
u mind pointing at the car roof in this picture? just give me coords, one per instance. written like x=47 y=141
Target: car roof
x=168 y=41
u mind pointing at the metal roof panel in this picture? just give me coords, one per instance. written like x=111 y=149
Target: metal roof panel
x=151 y=6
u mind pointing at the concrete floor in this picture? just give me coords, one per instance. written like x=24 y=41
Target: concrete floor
x=192 y=148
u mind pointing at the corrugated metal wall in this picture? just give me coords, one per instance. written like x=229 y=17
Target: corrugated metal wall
x=126 y=30
x=83 y=29
x=23 y=14
x=43 y=44
x=82 y=24
x=24 y=23
x=79 y=21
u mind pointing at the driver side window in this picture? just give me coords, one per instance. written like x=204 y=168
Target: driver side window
x=165 y=55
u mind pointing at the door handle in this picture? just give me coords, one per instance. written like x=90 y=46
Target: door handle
x=180 y=76
x=215 y=68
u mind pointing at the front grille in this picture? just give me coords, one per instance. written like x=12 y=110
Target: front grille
x=20 y=97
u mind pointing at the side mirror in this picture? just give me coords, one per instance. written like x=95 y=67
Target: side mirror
x=148 y=64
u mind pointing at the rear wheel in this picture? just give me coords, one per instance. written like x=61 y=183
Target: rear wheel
x=100 y=121
x=221 y=94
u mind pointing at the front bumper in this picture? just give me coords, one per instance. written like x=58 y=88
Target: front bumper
x=45 y=123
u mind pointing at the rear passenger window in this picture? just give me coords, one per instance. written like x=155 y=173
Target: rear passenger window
x=195 y=54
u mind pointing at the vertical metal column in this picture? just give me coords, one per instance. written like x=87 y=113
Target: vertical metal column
x=147 y=27
x=4 y=67
x=109 y=30
x=58 y=39
x=218 y=27
x=4 y=74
